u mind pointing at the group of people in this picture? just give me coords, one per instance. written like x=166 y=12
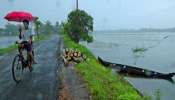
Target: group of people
x=72 y=56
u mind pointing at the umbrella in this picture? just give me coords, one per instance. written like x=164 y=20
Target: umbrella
x=19 y=16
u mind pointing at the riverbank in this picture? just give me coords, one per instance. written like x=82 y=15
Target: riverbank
x=101 y=83
x=13 y=47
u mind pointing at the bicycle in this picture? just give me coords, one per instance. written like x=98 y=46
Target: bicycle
x=18 y=65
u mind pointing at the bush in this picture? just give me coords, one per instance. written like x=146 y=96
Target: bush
x=89 y=39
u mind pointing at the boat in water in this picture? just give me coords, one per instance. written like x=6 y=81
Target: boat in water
x=133 y=71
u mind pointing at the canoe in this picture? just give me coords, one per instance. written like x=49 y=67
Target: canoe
x=136 y=71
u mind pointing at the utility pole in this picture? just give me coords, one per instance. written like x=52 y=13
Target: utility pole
x=76 y=4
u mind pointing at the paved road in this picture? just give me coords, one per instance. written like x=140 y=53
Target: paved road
x=38 y=85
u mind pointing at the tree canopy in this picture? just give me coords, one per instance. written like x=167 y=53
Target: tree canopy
x=80 y=24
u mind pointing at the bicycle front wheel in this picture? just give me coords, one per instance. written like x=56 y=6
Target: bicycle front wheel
x=17 y=69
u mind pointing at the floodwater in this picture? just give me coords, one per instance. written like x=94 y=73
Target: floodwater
x=154 y=51
x=7 y=41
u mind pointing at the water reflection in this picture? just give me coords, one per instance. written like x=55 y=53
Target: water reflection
x=138 y=53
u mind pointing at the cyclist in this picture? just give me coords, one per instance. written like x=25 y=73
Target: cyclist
x=25 y=42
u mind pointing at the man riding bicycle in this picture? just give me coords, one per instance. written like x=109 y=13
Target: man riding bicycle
x=25 y=42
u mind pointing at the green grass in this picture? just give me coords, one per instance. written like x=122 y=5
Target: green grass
x=7 y=49
x=158 y=95
x=14 y=47
x=101 y=83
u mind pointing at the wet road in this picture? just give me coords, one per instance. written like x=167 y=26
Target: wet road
x=38 y=85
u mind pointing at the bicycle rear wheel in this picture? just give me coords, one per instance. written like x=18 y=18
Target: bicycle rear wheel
x=17 y=69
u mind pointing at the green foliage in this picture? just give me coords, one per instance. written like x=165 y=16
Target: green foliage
x=10 y=29
x=57 y=25
x=157 y=94
x=37 y=25
x=48 y=27
x=102 y=84
x=79 y=24
x=89 y=39
x=147 y=97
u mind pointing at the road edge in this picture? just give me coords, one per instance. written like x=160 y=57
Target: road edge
x=66 y=90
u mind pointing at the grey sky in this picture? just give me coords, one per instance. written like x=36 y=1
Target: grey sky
x=108 y=14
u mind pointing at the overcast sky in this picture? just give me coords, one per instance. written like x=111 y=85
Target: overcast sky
x=108 y=14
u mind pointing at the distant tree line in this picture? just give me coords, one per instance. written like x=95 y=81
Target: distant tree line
x=142 y=30
x=48 y=28
x=9 y=29
x=39 y=28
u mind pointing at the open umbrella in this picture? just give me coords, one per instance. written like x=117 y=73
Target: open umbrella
x=19 y=16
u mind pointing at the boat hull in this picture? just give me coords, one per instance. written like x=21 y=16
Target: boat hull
x=136 y=71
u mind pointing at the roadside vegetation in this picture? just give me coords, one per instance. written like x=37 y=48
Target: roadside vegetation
x=8 y=49
x=79 y=25
x=9 y=30
x=158 y=95
x=101 y=83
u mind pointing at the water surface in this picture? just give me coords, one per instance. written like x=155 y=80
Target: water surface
x=159 y=55
x=7 y=41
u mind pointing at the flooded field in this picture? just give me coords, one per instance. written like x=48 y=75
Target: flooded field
x=154 y=51
x=7 y=41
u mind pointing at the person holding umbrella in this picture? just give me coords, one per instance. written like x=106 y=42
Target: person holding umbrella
x=25 y=33
x=25 y=37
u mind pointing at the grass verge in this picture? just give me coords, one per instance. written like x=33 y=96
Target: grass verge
x=7 y=49
x=101 y=83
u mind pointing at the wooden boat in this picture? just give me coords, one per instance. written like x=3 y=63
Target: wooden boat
x=136 y=71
